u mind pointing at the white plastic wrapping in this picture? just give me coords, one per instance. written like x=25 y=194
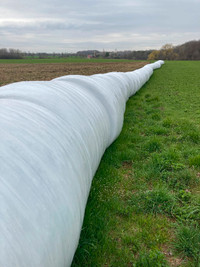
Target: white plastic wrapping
x=52 y=137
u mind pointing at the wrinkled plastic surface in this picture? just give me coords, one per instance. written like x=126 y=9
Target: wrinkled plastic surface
x=52 y=137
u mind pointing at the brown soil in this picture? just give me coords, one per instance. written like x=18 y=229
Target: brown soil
x=10 y=73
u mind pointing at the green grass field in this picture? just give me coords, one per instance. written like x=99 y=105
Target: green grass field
x=60 y=60
x=144 y=204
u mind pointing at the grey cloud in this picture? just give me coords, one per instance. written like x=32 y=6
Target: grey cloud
x=93 y=24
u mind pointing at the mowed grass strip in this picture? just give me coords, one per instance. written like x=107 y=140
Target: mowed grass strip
x=144 y=204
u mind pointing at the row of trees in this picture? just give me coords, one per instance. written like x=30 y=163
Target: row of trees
x=187 y=51
x=127 y=54
x=166 y=52
x=17 y=54
x=10 y=53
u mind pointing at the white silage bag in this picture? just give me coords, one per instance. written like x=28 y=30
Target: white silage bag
x=53 y=135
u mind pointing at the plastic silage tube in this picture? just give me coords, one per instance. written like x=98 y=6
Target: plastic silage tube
x=53 y=135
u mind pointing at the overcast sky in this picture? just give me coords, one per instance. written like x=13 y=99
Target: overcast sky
x=72 y=25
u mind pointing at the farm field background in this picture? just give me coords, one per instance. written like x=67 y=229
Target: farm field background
x=144 y=204
x=12 y=72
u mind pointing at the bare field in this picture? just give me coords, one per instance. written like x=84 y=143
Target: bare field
x=10 y=73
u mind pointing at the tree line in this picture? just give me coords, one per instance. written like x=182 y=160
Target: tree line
x=186 y=51
x=10 y=53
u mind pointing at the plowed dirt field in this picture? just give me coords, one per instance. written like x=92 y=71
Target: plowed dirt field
x=10 y=73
